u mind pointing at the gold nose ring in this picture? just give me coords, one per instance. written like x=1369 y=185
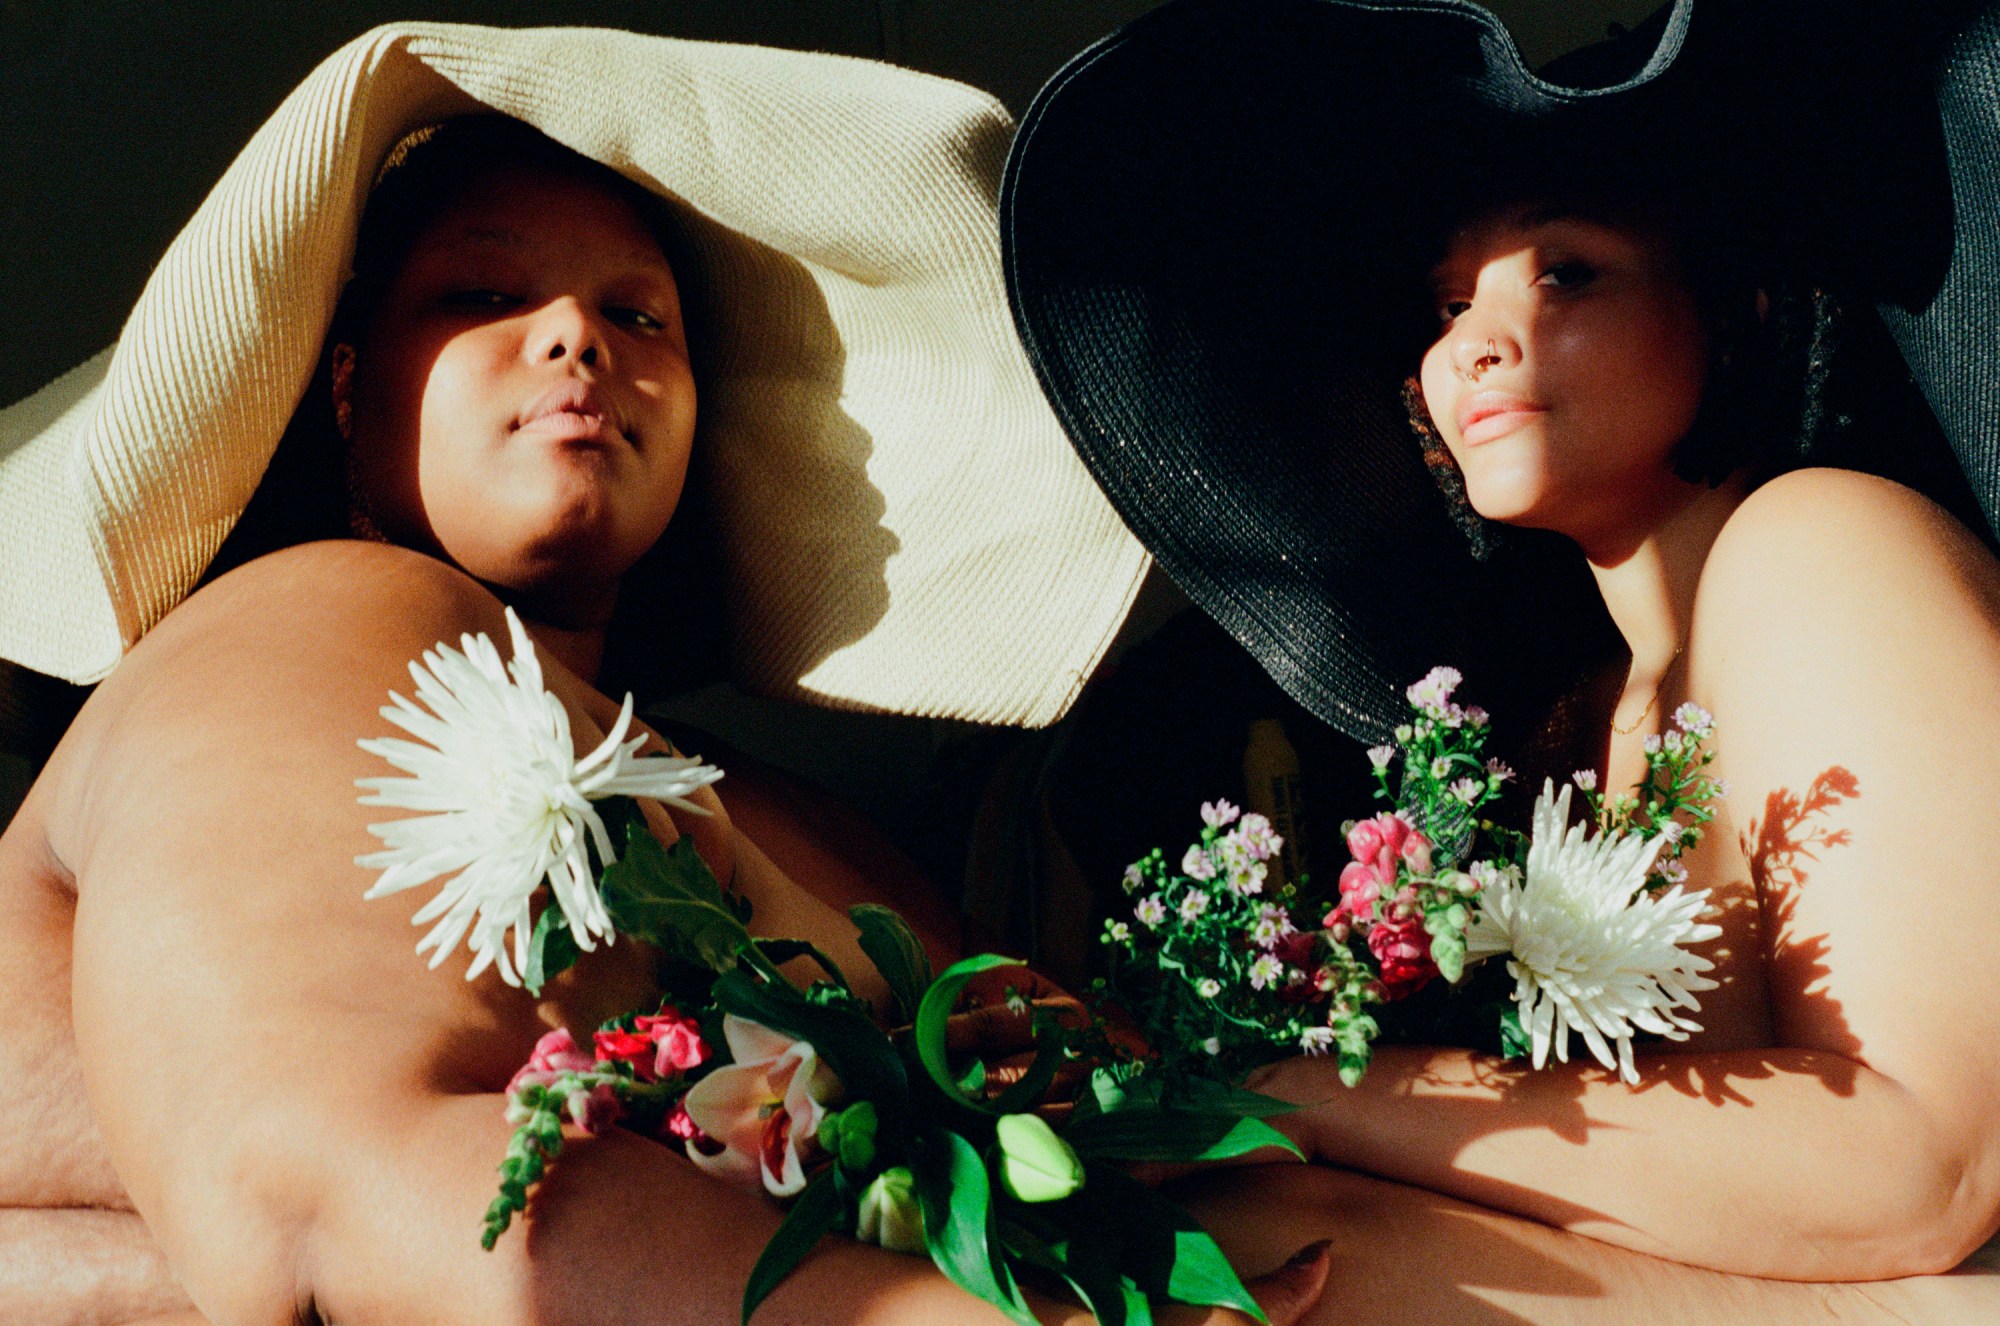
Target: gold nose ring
x=1492 y=355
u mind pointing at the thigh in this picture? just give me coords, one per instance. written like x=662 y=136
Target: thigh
x=1405 y=1256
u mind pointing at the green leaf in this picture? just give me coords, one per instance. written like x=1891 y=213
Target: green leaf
x=928 y=1030
x=1166 y=1253
x=1171 y=1135
x=896 y=952
x=552 y=949
x=667 y=897
x=854 y=1047
x=1197 y=1094
x=813 y=1216
x=1514 y=1041
x=780 y=951
x=957 y=1201
x=974 y=1081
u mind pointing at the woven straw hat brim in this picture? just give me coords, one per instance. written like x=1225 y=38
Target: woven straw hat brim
x=1214 y=225
x=903 y=525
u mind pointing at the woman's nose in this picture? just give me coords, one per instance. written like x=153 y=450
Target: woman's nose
x=1480 y=346
x=565 y=329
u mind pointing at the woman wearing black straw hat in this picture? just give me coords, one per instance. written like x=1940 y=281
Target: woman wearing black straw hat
x=1396 y=355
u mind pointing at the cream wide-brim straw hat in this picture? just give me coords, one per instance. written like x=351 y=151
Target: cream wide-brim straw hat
x=903 y=525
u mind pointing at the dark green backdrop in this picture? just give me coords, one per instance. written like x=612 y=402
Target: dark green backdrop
x=117 y=115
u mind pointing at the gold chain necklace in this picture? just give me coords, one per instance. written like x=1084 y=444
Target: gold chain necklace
x=1628 y=731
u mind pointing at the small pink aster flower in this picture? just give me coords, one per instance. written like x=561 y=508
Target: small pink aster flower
x=1316 y=1040
x=1219 y=813
x=1194 y=904
x=1585 y=780
x=1379 y=756
x=1499 y=770
x=1196 y=863
x=1151 y=911
x=1266 y=971
x=1257 y=837
x=1694 y=720
x=1468 y=790
x=1673 y=831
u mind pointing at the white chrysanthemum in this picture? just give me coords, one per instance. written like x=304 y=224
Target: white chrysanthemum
x=509 y=801
x=1588 y=952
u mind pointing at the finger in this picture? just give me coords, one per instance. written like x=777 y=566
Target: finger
x=1289 y=1293
x=997 y=1029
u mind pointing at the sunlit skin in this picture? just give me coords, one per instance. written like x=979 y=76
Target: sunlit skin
x=1858 y=725
x=1584 y=334
x=212 y=908
x=529 y=284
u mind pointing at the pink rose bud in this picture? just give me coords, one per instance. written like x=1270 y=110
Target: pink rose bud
x=1416 y=853
x=679 y=1042
x=595 y=1110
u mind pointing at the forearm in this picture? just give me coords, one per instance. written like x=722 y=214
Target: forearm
x=1742 y=1161
x=621 y=1223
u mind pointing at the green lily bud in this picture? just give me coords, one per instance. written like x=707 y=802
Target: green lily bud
x=1035 y=1164
x=890 y=1214
x=857 y=1137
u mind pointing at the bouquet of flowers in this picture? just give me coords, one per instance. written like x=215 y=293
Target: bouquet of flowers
x=1592 y=919
x=789 y=1087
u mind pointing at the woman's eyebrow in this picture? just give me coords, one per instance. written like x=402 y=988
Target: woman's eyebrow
x=514 y=239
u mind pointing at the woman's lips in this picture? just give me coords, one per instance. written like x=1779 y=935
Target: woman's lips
x=565 y=426
x=1490 y=414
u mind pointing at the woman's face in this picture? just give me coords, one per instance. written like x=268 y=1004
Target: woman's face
x=1570 y=362
x=522 y=400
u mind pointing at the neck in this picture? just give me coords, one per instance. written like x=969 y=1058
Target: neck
x=1648 y=578
x=570 y=628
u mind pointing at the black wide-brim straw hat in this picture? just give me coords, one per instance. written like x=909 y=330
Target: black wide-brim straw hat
x=1215 y=224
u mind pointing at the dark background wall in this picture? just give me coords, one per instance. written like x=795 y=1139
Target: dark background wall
x=117 y=115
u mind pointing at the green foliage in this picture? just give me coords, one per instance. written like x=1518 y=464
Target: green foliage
x=814 y=1215
x=896 y=952
x=552 y=949
x=668 y=897
x=928 y=1029
x=1151 y=1133
x=957 y=1200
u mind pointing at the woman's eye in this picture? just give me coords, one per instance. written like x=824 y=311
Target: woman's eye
x=1451 y=308
x=637 y=317
x=480 y=297
x=1567 y=274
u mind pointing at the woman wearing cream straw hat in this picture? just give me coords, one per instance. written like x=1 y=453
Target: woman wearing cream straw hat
x=874 y=461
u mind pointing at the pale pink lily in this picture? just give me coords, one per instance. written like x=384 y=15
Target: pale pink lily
x=764 y=1109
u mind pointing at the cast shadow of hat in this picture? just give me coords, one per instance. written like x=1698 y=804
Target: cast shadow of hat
x=792 y=549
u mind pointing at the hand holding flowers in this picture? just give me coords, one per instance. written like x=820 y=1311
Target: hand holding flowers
x=1592 y=944
x=788 y=1088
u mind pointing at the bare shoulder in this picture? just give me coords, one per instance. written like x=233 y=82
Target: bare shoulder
x=1826 y=558
x=1833 y=530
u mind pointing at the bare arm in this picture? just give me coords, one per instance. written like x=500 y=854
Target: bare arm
x=1861 y=634
x=307 y=1117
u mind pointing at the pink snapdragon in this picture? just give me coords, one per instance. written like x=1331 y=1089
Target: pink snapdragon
x=1404 y=952
x=1378 y=844
x=555 y=1053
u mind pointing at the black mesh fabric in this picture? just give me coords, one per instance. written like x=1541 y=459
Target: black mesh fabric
x=1215 y=223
